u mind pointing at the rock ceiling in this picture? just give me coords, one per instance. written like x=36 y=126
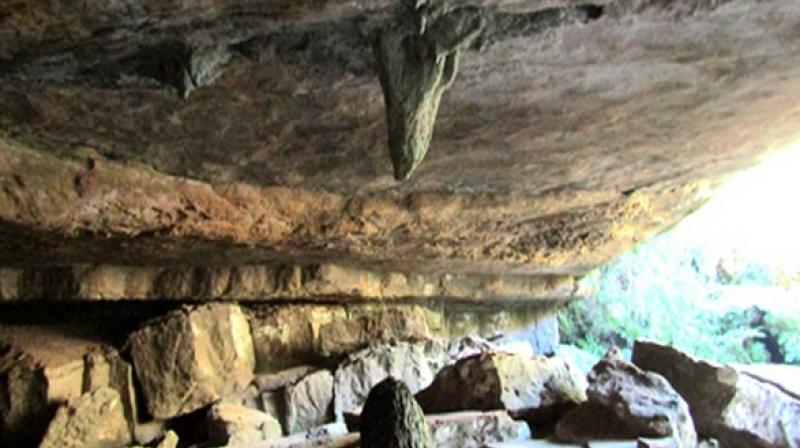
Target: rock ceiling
x=208 y=134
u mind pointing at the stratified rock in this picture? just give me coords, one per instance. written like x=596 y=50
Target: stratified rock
x=192 y=357
x=625 y=402
x=286 y=337
x=372 y=324
x=309 y=402
x=738 y=410
x=392 y=418
x=414 y=364
x=95 y=420
x=498 y=380
x=475 y=429
x=239 y=427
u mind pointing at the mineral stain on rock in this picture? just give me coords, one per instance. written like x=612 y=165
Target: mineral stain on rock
x=417 y=57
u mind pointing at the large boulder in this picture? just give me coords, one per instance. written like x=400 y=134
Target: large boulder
x=499 y=380
x=737 y=409
x=309 y=402
x=95 y=420
x=239 y=427
x=392 y=418
x=475 y=429
x=415 y=364
x=625 y=402
x=192 y=357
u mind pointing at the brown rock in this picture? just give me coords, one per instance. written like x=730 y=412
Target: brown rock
x=737 y=409
x=309 y=402
x=239 y=427
x=625 y=402
x=42 y=368
x=192 y=357
x=498 y=380
x=95 y=420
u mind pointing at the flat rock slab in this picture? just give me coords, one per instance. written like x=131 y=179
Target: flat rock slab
x=193 y=357
x=239 y=427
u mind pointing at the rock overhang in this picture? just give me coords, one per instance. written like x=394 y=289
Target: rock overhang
x=550 y=156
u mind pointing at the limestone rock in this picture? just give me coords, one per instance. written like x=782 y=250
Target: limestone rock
x=332 y=435
x=169 y=440
x=413 y=363
x=370 y=324
x=392 y=418
x=498 y=380
x=192 y=357
x=475 y=429
x=95 y=420
x=287 y=337
x=625 y=402
x=239 y=427
x=42 y=368
x=738 y=410
x=309 y=402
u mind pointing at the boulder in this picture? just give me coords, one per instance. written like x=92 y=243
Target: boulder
x=169 y=440
x=42 y=368
x=309 y=402
x=739 y=410
x=192 y=357
x=392 y=418
x=499 y=380
x=95 y=420
x=415 y=364
x=239 y=427
x=332 y=435
x=475 y=429
x=625 y=402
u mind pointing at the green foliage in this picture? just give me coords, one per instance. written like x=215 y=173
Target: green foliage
x=688 y=297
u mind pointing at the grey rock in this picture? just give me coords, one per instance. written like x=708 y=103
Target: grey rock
x=474 y=429
x=309 y=402
x=392 y=418
x=239 y=427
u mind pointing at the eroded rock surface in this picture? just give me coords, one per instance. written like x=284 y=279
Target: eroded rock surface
x=415 y=364
x=95 y=420
x=498 y=380
x=309 y=402
x=736 y=409
x=239 y=427
x=475 y=429
x=625 y=402
x=193 y=357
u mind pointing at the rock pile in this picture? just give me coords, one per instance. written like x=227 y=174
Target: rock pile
x=200 y=380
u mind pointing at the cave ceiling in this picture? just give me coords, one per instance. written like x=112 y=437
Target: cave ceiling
x=217 y=133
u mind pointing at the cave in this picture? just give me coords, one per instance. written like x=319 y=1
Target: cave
x=226 y=223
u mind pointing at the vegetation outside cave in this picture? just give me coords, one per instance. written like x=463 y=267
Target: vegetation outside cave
x=723 y=285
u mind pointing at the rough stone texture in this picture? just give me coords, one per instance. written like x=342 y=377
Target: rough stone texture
x=95 y=420
x=309 y=402
x=42 y=368
x=498 y=380
x=475 y=429
x=392 y=418
x=192 y=357
x=333 y=435
x=625 y=402
x=415 y=364
x=553 y=151
x=738 y=410
x=239 y=427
